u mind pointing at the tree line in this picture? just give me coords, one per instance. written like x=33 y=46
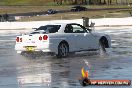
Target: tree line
x=93 y=2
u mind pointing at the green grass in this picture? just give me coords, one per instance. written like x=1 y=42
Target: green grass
x=23 y=9
x=79 y=15
x=24 y=2
x=68 y=15
x=44 y=2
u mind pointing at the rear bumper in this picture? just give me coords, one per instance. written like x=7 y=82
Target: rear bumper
x=44 y=47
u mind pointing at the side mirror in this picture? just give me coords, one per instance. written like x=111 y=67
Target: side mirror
x=35 y=28
x=89 y=30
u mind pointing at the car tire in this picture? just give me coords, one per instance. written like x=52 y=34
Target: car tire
x=102 y=46
x=63 y=50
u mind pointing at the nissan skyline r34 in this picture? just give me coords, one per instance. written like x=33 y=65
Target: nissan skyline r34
x=62 y=39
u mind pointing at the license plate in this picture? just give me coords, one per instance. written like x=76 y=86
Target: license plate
x=30 y=48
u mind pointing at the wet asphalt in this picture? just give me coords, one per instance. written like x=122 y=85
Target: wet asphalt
x=45 y=71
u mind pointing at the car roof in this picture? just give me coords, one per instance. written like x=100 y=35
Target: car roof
x=61 y=23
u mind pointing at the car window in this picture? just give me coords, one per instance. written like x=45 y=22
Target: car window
x=37 y=32
x=74 y=28
x=68 y=29
x=78 y=29
x=49 y=28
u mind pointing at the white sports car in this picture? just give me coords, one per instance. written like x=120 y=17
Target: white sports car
x=62 y=39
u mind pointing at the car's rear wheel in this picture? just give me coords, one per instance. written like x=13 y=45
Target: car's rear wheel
x=63 y=50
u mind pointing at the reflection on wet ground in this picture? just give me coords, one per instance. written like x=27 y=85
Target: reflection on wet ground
x=43 y=71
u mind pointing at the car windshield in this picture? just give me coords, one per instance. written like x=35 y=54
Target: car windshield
x=47 y=29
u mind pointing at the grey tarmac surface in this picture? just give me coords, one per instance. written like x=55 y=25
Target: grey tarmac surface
x=46 y=71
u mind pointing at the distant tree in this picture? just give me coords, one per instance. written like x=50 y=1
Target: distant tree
x=104 y=2
x=58 y=2
x=116 y=1
x=95 y=2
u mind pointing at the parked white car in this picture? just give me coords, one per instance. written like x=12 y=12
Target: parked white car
x=61 y=39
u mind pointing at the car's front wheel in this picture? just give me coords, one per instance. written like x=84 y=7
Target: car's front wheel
x=63 y=50
x=102 y=49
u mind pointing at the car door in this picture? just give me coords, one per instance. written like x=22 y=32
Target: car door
x=79 y=35
x=71 y=38
x=91 y=41
x=84 y=39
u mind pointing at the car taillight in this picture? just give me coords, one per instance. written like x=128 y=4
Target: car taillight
x=40 y=38
x=18 y=39
x=45 y=37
